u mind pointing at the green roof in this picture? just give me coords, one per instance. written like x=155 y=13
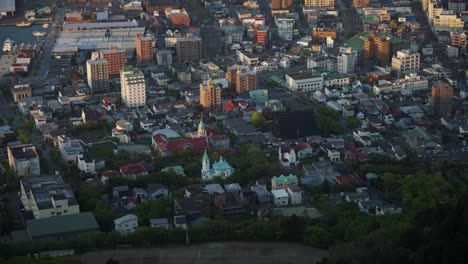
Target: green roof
x=357 y=42
x=335 y=75
x=276 y=79
x=63 y=224
x=177 y=169
x=282 y=179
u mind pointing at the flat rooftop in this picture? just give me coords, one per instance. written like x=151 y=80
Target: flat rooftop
x=7 y=5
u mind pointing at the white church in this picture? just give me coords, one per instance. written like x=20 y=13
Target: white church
x=219 y=169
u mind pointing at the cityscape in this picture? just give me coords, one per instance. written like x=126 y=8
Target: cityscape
x=233 y=131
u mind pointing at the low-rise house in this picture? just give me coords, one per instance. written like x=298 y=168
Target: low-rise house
x=357 y=197
x=86 y=163
x=369 y=206
x=126 y=224
x=230 y=205
x=344 y=179
x=320 y=167
x=191 y=206
x=139 y=194
x=159 y=222
x=387 y=209
x=105 y=176
x=69 y=148
x=287 y=156
x=281 y=181
x=178 y=170
x=133 y=170
x=120 y=191
x=263 y=195
x=180 y=221
x=295 y=194
x=214 y=188
x=362 y=136
x=123 y=124
x=233 y=188
x=218 y=141
x=156 y=191
x=279 y=197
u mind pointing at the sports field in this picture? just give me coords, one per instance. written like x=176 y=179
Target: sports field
x=212 y=253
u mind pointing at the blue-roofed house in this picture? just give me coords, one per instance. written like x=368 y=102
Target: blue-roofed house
x=159 y=222
x=179 y=170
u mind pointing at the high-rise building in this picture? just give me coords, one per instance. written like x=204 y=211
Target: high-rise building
x=377 y=48
x=178 y=17
x=406 y=61
x=319 y=3
x=144 y=49
x=281 y=4
x=164 y=57
x=442 y=96
x=116 y=59
x=457 y=6
x=133 y=87
x=246 y=81
x=97 y=75
x=459 y=39
x=447 y=21
x=210 y=95
x=360 y=3
x=231 y=74
x=261 y=34
x=346 y=60
x=188 y=49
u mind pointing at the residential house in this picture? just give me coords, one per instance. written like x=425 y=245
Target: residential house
x=70 y=149
x=357 y=197
x=214 y=188
x=159 y=222
x=230 y=205
x=295 y=194
x=178 y=170
x=106 y=175
x=369 y=206
x=156 y=191
x=123 y=124
x=133 y=170
x=263 y=195
x=281 y=181
x=279 y=197
x=287 y=156
x=86 y=163
x=180 y=221
x=218 y=141
x=387 y=209
x=139 y=194
x=126 y=224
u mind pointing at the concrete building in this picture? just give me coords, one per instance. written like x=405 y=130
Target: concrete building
x=126 y=224
x=7 y=7
x=457 y=6
x=246 y=81
x=319 y=3
x=20 y=91
x=178 y=17
x=295 y=194
x=447 y=21
x=260 y=34
x=406 y=61
x=23 y=160
x=164 y=57
x=285 y=27
x=360 y=3
x=144 y=49
x=281 y=4
x=210 y=95
x=377 y=48
x=231 y=74
x=442 y=96
x=97 y=75
x=69 y=148
x=346 y=60
x=48 y=196
x=304 y=81
x=133 y=87
x=188 y=49
x=116 y=60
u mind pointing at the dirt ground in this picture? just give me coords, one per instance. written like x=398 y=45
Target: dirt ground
x=212 y=253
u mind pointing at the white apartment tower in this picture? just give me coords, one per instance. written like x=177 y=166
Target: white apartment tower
x=347 y=60
x=97 y=75
x=133 y=87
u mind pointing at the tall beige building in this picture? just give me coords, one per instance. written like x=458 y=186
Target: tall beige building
x=406 y=61
x=319 y=3
x=210 y=95
x=97 y=75
x=246 y=81
x=133 y=87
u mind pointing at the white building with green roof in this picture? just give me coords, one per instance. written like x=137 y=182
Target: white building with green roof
x=220 y=168
x=133 y=87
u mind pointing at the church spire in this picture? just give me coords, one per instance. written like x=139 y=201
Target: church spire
x=201 y=129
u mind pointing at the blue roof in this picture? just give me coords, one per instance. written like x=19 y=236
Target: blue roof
x=221 y=164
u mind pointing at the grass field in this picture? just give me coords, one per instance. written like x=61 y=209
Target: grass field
x=102 y=151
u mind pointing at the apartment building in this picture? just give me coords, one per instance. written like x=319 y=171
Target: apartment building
x=285 y=27
x=97 y=75
x=23 y=159
x=164 y=57
x=261 y=34
x=188 y=49
x=48 y=196
x=304 y=81
x=231 y=74
x=346 y=60
x=246 y=81
x=178 y=17
x=144 y=49
x=360 y=3
x=116 y=59
x=405 y=61
x=319 y=3
x=459 y=39
x=447 y=21
x=442 y=97
x=210 y=95
x=133 y=87
x=281 y=4
x=378 y=49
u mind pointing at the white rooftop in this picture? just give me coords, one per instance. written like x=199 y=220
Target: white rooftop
x=7 y=5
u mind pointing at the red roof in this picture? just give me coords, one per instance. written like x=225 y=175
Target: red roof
x=350 y=145
x=342 y=179
x=285 y=148
x=110 y=173
x=218 y=137
x=133 y=169
x=197 y=144
x=229 y=106
x=107 y=101
x=362 y=156
x=301 y=146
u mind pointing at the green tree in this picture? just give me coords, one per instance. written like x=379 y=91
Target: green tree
x=352 y=122
x=104 y=216
x=152 y=209
x=257 y=119
x=317 y=236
